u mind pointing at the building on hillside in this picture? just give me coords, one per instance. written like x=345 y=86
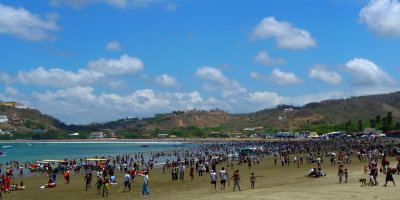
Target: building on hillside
x=74 y=134
x=14 y=104
x=162 y=136
x=96 y=135
x=3 y=118
x=394 y=133
x=16 y=121
x=10 y=103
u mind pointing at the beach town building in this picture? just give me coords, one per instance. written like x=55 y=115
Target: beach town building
x=3 y=118
x=162 y=136
x=96 y=135
x=14 y=104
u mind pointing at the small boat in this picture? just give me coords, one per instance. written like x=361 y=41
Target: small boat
x=144 y=146
x=5 y=147
x=2 y=153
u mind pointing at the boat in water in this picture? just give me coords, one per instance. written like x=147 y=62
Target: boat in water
x=5 y=147
x=2 y=153
x=144 y=146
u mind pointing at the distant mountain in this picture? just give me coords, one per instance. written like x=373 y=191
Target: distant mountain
x=282 y=117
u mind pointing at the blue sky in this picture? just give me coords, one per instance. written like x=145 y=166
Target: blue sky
x=88 y=61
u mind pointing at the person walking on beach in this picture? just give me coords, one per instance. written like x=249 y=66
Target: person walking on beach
x=127 y=182
x=346 y=175
x=213 y=177
x=253 y=180
x=106 y=184
x=88 y=180
x=236 y=180
x=223 y=176
x=145 y=189
x=99 y=184
x=389 y=176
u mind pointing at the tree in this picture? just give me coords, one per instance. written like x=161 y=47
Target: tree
x=378 y=120
x=397 y=126
x=372 y=123
x=360 y=125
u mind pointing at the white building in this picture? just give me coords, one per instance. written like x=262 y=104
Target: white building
x=3 y=118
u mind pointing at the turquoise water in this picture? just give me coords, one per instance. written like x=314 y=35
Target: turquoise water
x=57 y=150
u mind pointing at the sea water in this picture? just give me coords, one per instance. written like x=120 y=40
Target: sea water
x=32 y=151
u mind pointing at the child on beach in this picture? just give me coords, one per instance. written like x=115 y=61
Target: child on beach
x=192 y=173
x=346 y=175
x=365 y=169
x=253 y=180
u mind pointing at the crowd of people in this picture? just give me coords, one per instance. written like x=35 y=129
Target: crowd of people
x=213 y=158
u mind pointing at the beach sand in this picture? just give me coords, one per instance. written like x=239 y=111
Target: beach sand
x=272 y=183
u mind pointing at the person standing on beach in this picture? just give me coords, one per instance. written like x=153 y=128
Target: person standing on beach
x=223 y=176
x=236 y=180
x=88 y=180
x=346 y=175
x=253 y=180
x=213 y=177
x=67 y=176
x=182 y=172
x=340 y=173
x=192 y=173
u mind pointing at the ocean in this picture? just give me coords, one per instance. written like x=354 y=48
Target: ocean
x=32 y=151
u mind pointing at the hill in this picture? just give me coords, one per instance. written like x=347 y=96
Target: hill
x=283 y=117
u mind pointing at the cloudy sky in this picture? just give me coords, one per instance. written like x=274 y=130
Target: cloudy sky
x=88 y=61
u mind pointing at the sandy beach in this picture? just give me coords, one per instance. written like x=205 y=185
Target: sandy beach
x=273 y=182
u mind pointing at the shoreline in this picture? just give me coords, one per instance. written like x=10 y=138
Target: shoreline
x=180 y=140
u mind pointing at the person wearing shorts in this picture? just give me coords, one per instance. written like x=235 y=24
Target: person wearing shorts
x=223 y=175
x=213 y=177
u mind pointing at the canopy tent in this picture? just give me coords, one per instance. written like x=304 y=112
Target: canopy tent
x=55 y=161
x=96 y=159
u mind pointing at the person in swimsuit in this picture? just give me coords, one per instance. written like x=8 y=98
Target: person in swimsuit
x=253 y=180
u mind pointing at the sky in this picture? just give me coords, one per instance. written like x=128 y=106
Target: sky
x=85 y=61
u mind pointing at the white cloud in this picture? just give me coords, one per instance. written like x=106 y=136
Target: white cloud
x=21 y=23
x=170 y=7
x=264 y=59
x=113 y=45
x=82 y=105
x=382 y=17
x=366 y=72
x=285 y=34
x=218 y=81
x=323 y=74
x=117 y=3
x=126 y=65
x=277 y=77
x=59 y=77
x=5 y=78
x=166 y=80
